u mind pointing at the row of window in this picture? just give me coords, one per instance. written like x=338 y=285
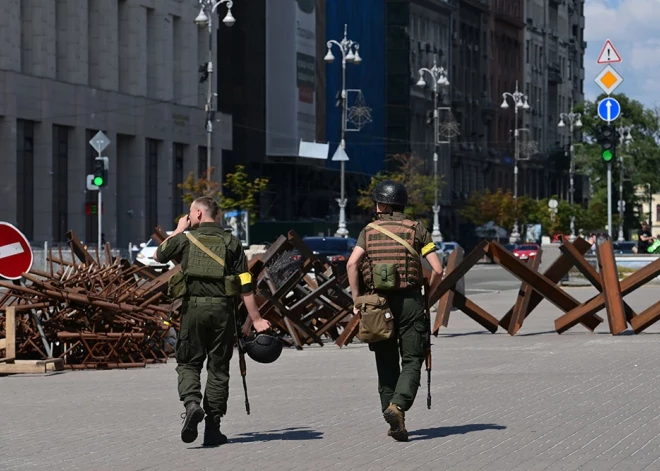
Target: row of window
x=61 y=145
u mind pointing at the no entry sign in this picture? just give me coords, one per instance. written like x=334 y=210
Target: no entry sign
x=15 y=252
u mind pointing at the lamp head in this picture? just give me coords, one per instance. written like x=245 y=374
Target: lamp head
x=329 y=57
x=229 y=19
x=202 y=19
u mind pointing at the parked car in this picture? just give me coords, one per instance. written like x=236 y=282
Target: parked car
x=331 y=249
x=510 y=247
x=147 y=252
x=526 y=251
x=447 y=249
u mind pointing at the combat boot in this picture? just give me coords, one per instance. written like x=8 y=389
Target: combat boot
x=212 y=434
x=191 y=418
x=396 y=418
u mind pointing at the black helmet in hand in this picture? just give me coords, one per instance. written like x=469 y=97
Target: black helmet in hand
x=391 y=192
x=263 y=348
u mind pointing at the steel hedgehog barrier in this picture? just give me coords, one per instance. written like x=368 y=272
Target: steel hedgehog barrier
x=89 y=313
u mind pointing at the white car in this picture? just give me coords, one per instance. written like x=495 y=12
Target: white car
x=147 y=252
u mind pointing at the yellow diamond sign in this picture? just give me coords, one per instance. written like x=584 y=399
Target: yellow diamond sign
x=608 y=80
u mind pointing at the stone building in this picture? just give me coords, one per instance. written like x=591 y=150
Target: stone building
x=554 y=76
x=69 y=68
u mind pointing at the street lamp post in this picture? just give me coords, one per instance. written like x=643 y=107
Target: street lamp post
x=624 y=140
x=205 y=18
x=519 y=101
x=573 y=122
x=439 y=75
x=349 y=53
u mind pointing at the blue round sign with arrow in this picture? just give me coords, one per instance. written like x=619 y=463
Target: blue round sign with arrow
x=609 y=109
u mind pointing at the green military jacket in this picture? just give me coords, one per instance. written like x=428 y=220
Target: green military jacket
x=177 y=248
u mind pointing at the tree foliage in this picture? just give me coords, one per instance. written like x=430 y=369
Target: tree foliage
x=641 y=158
x=411 y=171
x=500 y=208
x=242 y=192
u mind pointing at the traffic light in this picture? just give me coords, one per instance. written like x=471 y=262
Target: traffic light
x=204 y=71
x=607 y=140
x=100 y=172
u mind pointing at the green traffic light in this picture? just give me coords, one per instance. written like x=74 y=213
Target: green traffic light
x=607 y=155
x=98 y=181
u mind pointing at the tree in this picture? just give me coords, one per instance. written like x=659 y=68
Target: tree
x=411 y=171
x=641 y=158
x=486 y=206
x=500 y=207
x=242 y=192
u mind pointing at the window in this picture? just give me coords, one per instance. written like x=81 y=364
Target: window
x=657 y=212
x=25 y=177
x=151 y=199
x=201 y=161
x=60 y=182
x=177 y=176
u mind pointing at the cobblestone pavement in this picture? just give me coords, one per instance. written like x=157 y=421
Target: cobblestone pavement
x=535 y=401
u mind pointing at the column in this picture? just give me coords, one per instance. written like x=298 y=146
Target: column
x=43 y=181
x=131 y=166
x=165 y=184
x=77 y=170
x=103 y=45
x=8 y=169
x=43 y=31
x=110 y=193
x=10 y=35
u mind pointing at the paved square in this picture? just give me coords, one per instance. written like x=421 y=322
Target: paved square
x=536 y=401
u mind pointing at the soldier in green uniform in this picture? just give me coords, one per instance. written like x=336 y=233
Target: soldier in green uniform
x=397 y=384
x=214 y=268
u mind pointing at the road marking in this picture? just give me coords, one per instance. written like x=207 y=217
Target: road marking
x=11 y=249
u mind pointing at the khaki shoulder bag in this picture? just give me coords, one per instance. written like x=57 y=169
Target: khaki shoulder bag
x=376 y=319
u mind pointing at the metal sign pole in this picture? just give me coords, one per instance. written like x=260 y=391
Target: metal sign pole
x=609 y=198
x=99 y=216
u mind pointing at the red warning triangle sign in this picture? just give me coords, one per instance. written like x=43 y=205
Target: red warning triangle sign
x=608 y=54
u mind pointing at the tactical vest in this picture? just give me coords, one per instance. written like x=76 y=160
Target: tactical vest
x=200 y=264
x=382 y=251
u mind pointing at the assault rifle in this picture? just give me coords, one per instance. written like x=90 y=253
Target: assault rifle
x=241 y=355
x=427 y=310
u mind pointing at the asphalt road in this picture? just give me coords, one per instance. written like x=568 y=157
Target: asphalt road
x=489 y=278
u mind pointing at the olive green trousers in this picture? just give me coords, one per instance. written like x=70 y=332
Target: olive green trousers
x=398 y=382
x=207 y=333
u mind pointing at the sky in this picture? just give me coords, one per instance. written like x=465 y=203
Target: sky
x=633 y=26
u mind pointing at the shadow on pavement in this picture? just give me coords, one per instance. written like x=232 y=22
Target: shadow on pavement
x=292 y=433
x=439 y=432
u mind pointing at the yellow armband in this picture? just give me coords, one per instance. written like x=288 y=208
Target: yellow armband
x=428 y=248
x=246 y=282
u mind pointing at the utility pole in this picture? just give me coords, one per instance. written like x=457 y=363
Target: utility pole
x=439 y=75
x=574 y=122
x=520 y=100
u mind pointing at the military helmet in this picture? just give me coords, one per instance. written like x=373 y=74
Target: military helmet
x=391 y=192
x=264 y=348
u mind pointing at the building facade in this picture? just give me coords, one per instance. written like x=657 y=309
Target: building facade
x=69 y=68
x=554 y=76
x=506 y=73
x=430 y=29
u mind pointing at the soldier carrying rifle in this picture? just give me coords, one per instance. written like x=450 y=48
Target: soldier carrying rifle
x=213 y=272
x=392 y=309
